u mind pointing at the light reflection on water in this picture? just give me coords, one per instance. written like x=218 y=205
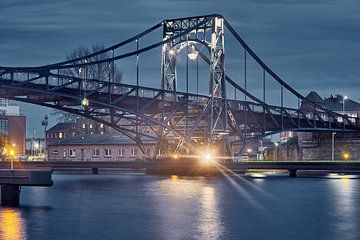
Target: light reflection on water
x=210 y=224
x=86 y=207
x=345 y=206
x=188 y=208
x=12 y=226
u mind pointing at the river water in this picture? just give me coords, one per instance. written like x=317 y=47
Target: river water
x=136 y=206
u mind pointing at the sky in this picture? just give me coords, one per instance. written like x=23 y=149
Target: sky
x=311 y=44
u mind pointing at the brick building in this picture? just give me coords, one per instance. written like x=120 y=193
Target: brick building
x=13 y=131
x=97 y=147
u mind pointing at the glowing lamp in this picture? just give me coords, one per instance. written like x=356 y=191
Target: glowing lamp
x=11 y=152
x=85 y=102
x=193 y=54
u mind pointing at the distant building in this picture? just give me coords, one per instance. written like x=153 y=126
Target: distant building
x=97 y=147
x=35 y=146
x=12 y=132
x=316 y=145
x=83 y=126
x=332 y=103
x=338 y=104
x=8 y=109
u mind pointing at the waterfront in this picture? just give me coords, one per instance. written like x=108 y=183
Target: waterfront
x=136 y=206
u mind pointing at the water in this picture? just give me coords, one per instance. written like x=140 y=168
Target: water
x=151 y=207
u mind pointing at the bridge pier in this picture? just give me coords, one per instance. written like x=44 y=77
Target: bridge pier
x=10 y=195
x=292 y=173
x=95 y=171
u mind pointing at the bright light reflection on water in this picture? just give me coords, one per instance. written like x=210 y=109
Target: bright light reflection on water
x=185 y=202
x=11 y=224
x=210 y=225
x=346 y=206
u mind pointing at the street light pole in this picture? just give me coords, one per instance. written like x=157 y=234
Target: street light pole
x=344 y=99
x=45 y=122
x=333 y=146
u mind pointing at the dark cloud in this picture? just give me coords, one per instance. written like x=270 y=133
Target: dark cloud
x=312 y=44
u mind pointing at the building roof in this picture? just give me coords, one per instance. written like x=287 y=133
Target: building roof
x=313 y=97
x=335 y=103
x=100 y=139
x=60 y=127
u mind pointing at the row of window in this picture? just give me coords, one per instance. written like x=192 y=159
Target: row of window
x=96 y=152
x=55 y=135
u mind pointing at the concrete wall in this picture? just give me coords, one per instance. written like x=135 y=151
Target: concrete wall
x=283 y=152
x=317 y=146
x=61 y=152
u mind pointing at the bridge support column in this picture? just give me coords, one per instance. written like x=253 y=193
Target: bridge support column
x=95 y=171
x=10 y=195
x=292 y=173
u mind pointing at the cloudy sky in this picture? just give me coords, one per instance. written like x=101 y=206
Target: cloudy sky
x=311 y=44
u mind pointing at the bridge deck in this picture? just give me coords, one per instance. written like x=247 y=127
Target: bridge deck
x=290 y=165
x=26 y=177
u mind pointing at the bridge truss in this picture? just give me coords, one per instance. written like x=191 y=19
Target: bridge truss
x=178 y=121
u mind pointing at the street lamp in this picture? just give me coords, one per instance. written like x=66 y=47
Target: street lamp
x=193 y=54
x=344 y=99
x=44 y=123
x=12 y=154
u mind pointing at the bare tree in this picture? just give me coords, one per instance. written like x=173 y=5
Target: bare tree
x=102 y=71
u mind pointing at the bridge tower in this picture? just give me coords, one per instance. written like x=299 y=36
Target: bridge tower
x=209 y=32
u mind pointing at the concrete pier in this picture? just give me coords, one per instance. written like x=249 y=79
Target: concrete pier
x=12 y=180
x=292 y=173
x=10 y=195
x=95 y=171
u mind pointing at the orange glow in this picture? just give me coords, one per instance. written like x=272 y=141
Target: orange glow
x=11 y=225
x=12 y=152
x=174 y=177
x=346 y=156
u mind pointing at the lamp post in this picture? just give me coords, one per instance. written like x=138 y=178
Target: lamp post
x=12 y=154
x=44 y=123
x=333 y=146
x=344 y=99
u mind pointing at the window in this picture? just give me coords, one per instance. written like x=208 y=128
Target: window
x=72 y=152
x=121 y=152
x=107 y=152
x=91 y=126
x=55 y=152
x=96 y=152
x=4 y=127
x=64 y=153
x=133 y=152
x=101 y=125
x=60 y=135
x=83 y=126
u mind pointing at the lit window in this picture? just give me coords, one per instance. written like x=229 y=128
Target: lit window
x=60 y=135
x=133 y=152
x=107 y=152
x=96 y=152
x=121 y=152
x=72 y=153
x=91 y=126
x=101 y=125
x=84 y=126
x=64 y=153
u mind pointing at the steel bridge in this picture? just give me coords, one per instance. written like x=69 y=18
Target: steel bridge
x=178 y=121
